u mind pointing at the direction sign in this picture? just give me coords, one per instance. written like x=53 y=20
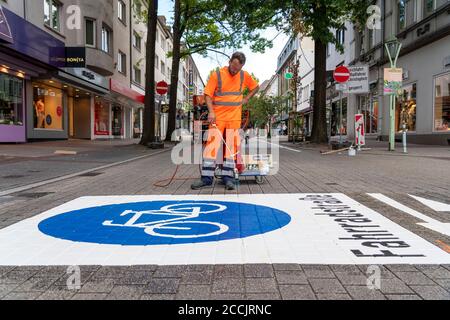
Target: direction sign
x=162 y=87
x=341 y=74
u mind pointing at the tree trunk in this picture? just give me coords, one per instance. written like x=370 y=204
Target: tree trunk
x=149 y=129
x=175 y=71
x=319 y=130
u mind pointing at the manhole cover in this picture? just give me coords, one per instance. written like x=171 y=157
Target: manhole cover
x=15 y=176
x=34 y=195
x=91 y=174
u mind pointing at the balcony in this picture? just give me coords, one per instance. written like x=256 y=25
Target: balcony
x=100 y=62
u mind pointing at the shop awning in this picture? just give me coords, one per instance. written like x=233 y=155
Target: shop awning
x=84 y=84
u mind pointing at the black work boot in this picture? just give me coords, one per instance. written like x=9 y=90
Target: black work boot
x=197 y=185
x=229 y=185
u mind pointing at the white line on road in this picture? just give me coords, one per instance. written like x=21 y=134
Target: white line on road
x=69 y=176
x=430 y=223
x=282 y=147
x=435 y=205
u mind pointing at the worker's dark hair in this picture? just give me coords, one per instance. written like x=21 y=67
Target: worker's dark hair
x=240 y=56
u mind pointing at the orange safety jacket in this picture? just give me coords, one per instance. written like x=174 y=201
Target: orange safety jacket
x=228 y=97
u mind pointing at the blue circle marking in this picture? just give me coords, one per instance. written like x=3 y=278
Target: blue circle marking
x=164 y=222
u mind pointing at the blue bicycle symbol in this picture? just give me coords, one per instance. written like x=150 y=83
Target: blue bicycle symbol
x=178 y=226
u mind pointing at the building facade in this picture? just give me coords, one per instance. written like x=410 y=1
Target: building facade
x=423 y=107
x=100 y=94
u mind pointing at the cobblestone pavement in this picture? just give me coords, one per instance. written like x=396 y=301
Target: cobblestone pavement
x=300 y=172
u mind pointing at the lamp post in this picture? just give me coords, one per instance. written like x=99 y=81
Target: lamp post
x=393 y=47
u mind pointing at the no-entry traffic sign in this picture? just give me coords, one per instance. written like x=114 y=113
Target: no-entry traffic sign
x=162 y=87
x=341 y=74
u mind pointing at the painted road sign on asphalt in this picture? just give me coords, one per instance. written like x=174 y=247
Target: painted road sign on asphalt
x=341 y=74
x=213 y=229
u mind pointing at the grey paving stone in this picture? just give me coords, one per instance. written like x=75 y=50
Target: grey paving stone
x=317 y=271
x=135 y=278
x=444 y=283
x=260 y=285
x=403 y=297
x=326 y=286
x=230 y=285
x=384 y=271
x=5 y=269
x=57 y=293
x=291 y=277
x=193 y=292
x=351 y=278
x=394 y=286
x=169 y=272
x=169 y=285
x=98 y=286
x=228 y=271
x=36 y=284
x=431 y=292
x=16 y=276
x=296 y=292
x=111 y=272
x=414 y=278
x=435 y=272
x=364 y=293
x=23 y=295
x=89 y=296
x=197 y=277
x=401 y=268
x=158 y=297
x=84 y=278
x=333 y=296
x=227 y=296
x=7 y=288
x=258 y=271
x=126 y=292
x=345 y=268
x=200 y=268
x=286 y=267
x=263 y=296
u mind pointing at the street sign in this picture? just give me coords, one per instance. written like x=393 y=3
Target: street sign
x=360 y=135
x=359 y=79
x=341 y=86
x=341 y=74
x=162 y=88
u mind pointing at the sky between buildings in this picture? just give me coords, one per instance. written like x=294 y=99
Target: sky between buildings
x=262 y=65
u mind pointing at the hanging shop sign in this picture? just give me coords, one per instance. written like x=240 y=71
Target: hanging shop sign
x=392 y=81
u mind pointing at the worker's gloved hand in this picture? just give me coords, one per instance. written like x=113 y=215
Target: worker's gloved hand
x=212 y=118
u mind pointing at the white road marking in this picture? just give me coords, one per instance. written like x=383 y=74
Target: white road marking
x=435 y=205
x=430 y=223
x=323 y=229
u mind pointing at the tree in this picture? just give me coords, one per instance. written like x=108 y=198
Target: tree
x=315 y=19
x=148 y=11
x=205 y=26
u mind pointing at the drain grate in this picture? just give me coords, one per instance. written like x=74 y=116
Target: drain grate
x=14 y=176
x=90 y=174
x=34 y=195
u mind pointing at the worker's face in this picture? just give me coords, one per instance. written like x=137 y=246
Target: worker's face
x=235 y=67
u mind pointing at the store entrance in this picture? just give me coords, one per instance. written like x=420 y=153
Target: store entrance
x=81 y=115
x=117 y=121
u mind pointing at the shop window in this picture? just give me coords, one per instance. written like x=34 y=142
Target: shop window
x=369 y=108
x=101 y=127
x=442 y=103
x=335 y=118
x=405 y=110
x=48 y=107
x=11 y=100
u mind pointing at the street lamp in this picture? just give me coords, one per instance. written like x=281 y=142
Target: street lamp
x=393 y=47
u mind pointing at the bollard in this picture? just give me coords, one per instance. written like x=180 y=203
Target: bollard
x=404 y=138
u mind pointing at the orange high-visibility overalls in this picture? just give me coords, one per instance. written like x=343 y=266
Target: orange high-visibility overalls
x=227 y=102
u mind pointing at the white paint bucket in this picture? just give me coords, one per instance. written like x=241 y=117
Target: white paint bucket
x=352 y=152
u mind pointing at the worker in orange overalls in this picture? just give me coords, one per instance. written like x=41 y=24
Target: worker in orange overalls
x=224 y=97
